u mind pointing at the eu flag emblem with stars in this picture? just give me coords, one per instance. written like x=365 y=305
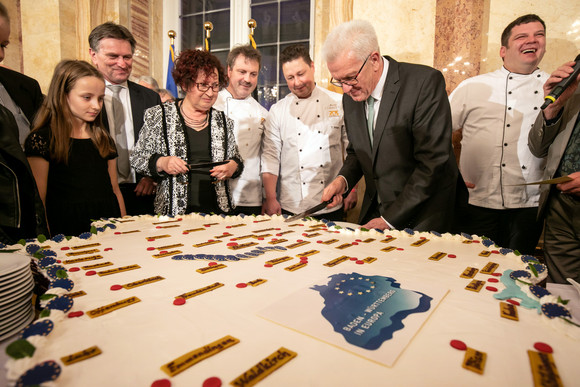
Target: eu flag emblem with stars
x=368 y=310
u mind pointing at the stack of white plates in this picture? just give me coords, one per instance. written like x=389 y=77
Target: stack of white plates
x=16 y=285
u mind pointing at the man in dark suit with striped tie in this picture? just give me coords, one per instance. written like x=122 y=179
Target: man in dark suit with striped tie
x=111 y=49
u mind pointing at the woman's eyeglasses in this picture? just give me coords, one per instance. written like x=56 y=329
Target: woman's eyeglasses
x=203 y=87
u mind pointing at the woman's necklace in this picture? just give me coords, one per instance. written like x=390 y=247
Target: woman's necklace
x=192 y=122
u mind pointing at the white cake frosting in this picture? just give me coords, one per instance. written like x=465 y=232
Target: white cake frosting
x=154 y=331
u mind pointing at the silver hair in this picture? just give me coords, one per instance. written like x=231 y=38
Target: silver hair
x=150 y=80
x=356 y=37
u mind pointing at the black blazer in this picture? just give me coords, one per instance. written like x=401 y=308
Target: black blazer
x=411 y=166
x=21 y=210
x=24 y=90
x=142 y=99
x=552 y=141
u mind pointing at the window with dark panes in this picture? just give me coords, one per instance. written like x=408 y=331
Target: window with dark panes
x=280 y=24
x=193 y=16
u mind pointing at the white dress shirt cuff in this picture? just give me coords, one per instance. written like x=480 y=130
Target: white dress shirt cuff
x=388 y=224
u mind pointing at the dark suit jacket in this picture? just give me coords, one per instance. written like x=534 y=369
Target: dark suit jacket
x=24 y=90
x=142 y=99
x=21 y=210
x=411 y=167
x=552 y=141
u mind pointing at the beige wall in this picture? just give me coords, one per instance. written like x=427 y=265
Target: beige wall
x=48 y=31
x=41 y=39
x=406 y=28
x=328 y=13
x=562 y=30
x=45 y=32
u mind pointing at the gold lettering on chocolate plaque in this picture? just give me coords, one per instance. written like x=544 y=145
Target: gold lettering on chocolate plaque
x=112 y=307
x=80 y=356
x=191 y=358
x=264 y=368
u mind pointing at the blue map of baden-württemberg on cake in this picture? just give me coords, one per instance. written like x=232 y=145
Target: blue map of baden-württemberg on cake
x=368 y=310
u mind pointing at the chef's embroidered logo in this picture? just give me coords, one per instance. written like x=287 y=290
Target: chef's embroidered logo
x=333 y=113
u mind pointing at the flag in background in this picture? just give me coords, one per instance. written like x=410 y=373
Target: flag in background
x=170 y=83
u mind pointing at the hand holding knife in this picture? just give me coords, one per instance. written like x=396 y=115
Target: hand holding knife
x=309 y=211
x=206 y=165
x=173 y=165
x=202 y=168
x=335 y=189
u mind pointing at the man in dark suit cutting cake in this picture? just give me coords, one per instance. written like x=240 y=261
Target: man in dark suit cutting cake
x=398 y=123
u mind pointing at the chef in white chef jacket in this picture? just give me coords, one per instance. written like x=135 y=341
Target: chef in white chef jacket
x=304 y=142
x=236 y=101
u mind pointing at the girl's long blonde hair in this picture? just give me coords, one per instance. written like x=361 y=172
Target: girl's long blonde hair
x=56 y=112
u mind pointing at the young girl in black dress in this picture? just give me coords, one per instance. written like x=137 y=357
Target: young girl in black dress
x=72 y=157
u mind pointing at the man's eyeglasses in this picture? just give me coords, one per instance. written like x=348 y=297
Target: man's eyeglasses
x=350 y=81
x=203 y=87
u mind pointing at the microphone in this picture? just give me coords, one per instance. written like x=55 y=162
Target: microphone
x=562 y=85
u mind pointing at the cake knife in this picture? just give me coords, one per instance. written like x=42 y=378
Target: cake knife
x=309 y=211
x=202 y=168
x=207 y=165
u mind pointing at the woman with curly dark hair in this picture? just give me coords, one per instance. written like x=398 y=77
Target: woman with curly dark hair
x=186 y=132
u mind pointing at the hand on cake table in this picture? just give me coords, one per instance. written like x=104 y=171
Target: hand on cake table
x=376 y=223
x=271 y=207
x=571 y=187
x=171 y=165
